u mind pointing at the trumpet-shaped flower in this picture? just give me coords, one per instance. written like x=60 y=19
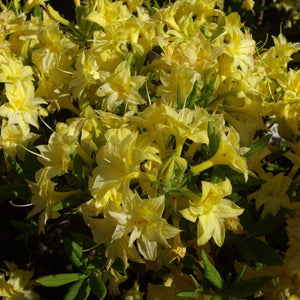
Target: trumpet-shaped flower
x=228 y=153
x=108 y=12
x=120 y=88
x=119 y=161
x=12 y=71
x=210 y=211
x=182 y=76
x=44 y=199
x=241 y=46
x=56 y=156
x=142 y=220
x=18 y=285
x=22 y=107
x=12 y=136
x=102 y=230
x=272 y=194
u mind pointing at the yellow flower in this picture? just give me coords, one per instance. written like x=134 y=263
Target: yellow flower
x=22 y=107
x=12 y=71
x=108 y=12
x=56 y=156
x=44 y=198
x=19 y=284
x=248 y=5
x=87 y=73
x=142 y=220
x=12 y=136
x=240 y=46
x=272 y=194
x=182 y=76
x=102 y=230
x=119 y=161
x=163 y=121
x=120 y=88
x=277 y=57
x=210 y=210
x=228 y=153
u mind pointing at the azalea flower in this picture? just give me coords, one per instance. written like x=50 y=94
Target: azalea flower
x=18 y=285
x=119 y=161
x=12 y=136
x=56 y=155
x=44 y=198
x=210 y=211
x=228 y=153
x=22 y=107
x=142 y=220
x=272 y=194
x=120 y=88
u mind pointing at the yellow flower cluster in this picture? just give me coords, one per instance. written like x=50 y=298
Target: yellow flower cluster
x=162 y=107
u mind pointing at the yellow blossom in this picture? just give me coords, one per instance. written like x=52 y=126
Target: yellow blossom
x=22 y=107
x=12 y=71
x=13 y=135
x=108 y=12
x=248 y=5
x=44 y=198
x=102 y=230
x=142 y=220
x=228 y=153
x=210 y=211
x=56 y=155
x=119 y=161
x=182 y=76
x=18 y=286
x=120 y=88
x=272 y=194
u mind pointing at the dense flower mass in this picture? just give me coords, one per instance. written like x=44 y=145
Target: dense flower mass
x=151 y=126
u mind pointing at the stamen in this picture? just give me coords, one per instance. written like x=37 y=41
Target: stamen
x=34 y=153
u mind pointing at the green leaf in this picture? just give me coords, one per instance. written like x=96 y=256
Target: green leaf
x=268 y=224
x=211 y=273
x=247 y=288
x=78 y=170
x=80 y=290
x=16 y=168
x=59 y=279
x=192 y=97
x=258 y=145
x=263 y=252
x=28 y=229
x=214 y=139
x=71 y=201
x=75 y=254
x=37 y=11
x=245 y=252
x=98 y=287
